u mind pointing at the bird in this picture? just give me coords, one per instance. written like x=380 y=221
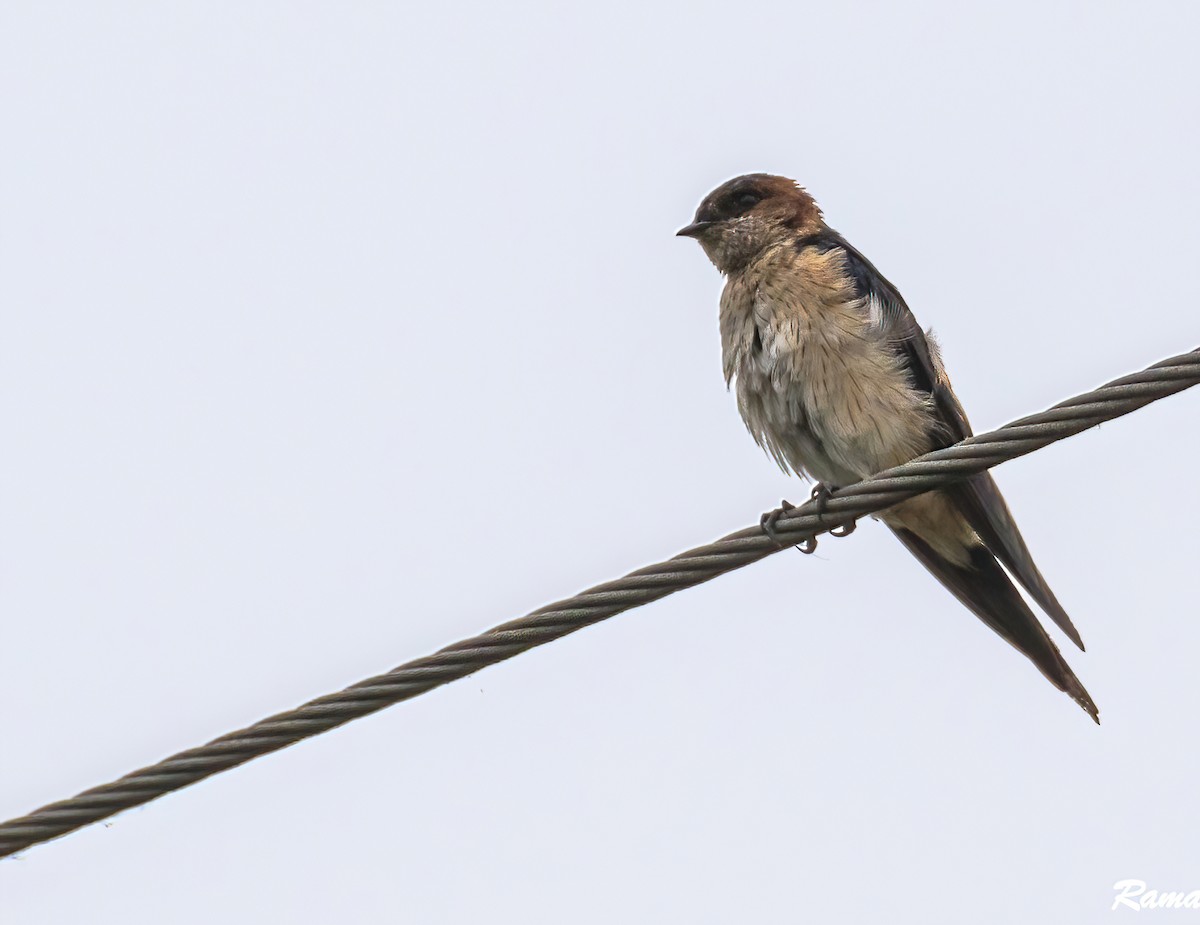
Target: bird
x=836 y=381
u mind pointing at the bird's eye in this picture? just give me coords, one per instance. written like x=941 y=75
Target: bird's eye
x=745 y=201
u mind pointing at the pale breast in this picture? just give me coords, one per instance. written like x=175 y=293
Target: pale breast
x=817 y=385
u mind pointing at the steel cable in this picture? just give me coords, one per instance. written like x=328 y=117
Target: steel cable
x=639 y=587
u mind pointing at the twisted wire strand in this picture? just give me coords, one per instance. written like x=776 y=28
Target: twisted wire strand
x=639 y=587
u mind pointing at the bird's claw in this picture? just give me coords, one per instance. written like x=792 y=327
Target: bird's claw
x=843 y=529
x=807 y=545
x=769 y=519
x=821 y=494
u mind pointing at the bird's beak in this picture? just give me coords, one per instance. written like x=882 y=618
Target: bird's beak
x=694 y=230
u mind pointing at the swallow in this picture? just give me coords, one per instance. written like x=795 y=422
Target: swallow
x=836 y=381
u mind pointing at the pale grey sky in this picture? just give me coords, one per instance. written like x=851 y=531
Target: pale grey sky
x=334 y=333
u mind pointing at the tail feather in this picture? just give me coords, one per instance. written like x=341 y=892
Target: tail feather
x=980 y=502
x=984 y=588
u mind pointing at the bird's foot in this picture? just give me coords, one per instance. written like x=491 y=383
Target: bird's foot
x=806 y=545
x=769 y=519
x=843 y=529
x=821 y=494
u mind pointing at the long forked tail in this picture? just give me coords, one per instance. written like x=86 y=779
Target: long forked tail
x=984 y=588
x=980 y=502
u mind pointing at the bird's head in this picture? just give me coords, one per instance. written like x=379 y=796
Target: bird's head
x=746 y=215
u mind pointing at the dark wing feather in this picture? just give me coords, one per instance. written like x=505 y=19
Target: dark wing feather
x=978 y=497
